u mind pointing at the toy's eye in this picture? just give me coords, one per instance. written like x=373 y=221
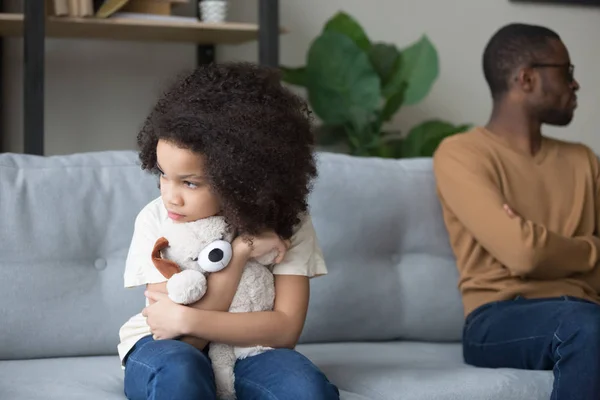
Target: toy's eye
x=215 y=256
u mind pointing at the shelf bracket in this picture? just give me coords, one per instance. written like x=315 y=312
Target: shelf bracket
x=205 y=54
x=33 y=85
x=268 y=33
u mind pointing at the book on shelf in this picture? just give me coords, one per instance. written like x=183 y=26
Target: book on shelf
x=75 y=8
x=107 y=8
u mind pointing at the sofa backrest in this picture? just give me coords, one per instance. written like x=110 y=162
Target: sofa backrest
x=66 y=223
x=392 y=274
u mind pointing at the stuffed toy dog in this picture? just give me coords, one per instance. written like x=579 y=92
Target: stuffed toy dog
x=185 y=254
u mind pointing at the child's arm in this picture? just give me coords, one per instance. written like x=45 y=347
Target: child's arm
x=279 y=328
x=222 y=285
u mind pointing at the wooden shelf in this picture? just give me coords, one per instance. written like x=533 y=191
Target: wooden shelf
x=137 y=29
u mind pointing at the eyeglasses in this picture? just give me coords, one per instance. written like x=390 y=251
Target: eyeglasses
x=570 y=68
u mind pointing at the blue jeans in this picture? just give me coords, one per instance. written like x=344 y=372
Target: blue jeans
x=170 y=369
x=559 y=334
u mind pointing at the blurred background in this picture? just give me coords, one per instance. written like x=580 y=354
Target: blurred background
x=97 y=92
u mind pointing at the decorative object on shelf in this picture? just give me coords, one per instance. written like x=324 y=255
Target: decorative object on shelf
x=213 y=11
x=355 y=86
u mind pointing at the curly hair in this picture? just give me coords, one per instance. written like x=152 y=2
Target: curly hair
x=256 y=137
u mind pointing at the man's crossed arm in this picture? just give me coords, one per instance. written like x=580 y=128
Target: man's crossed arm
x=525 y=248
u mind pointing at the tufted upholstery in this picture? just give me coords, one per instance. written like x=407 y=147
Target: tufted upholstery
x=391 y=271
x=66 y=227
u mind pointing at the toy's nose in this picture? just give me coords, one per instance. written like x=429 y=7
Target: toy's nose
x=215 y=255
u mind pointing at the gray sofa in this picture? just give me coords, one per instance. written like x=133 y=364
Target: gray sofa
x=384 y=324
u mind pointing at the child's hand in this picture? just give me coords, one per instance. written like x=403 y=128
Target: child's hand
x=260 y=245
x=164 y=317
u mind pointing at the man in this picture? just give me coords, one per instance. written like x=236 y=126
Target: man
x=522 y=213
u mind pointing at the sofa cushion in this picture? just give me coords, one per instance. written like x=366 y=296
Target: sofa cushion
x=392 y=273
x=376 y=371
x=66 y=226
x=422 y=371
x=89 y=378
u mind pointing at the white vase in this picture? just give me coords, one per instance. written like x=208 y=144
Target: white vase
x=213 y=11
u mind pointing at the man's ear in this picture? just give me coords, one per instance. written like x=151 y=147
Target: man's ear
x=526 y=79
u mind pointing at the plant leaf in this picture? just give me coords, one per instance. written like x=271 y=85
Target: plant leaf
x=294 y=76
x=384 y=58
x=388 y=148
x=393 y=104
x=423 y=139
x=340 y=80
x=346 y=25
x=418 y=69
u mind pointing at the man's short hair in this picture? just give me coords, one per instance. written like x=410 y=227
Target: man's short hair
x=511 y=47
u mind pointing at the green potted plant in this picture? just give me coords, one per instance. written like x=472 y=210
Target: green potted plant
x=355 y=86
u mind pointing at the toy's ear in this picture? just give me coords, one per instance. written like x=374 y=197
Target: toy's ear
x=166 y=267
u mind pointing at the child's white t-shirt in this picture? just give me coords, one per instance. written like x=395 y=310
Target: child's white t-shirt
x=304 y=257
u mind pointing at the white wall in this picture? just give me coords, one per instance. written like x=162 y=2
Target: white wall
x=97 y=93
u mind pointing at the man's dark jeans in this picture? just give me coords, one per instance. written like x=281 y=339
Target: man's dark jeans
x=559 y=334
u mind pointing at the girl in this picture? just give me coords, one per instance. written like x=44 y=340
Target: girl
x=229 y=140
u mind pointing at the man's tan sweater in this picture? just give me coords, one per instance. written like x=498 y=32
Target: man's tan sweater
x=551 y=249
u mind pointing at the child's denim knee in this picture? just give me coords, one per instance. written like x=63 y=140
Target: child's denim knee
x=168 y=369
